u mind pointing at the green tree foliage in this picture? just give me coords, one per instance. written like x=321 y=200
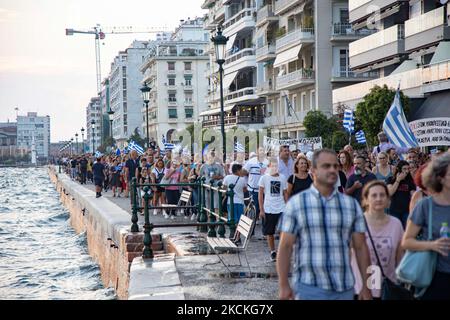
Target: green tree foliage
x=318 y=125
x=107 y=144
x=370 y=112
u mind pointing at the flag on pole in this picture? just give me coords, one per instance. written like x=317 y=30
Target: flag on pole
x=239 y=147
x=118 y=152
x=98 y=154
x=396 y=127
x=134 y=146
x=360 y=137
x=169 y=146
x=349 y=121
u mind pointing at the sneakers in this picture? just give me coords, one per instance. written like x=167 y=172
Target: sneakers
x=155 y=212
x=186 y=217
x=273 y=256
x=166 y=216
x=172 y=217
x=193 y=217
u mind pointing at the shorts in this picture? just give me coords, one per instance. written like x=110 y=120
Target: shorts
x=269 y=223
x=98 y=181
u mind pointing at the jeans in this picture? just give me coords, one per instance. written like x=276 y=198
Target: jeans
x=238 y=210
x=307 y=292
x=83 y=175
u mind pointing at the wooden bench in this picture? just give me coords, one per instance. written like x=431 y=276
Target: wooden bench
x=183 y=201
x=244 y=229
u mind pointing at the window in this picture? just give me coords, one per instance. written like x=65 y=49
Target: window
x=172 y=97
x=189 y=113
x=173 y=114
x=125 y=107
x=171 y=65
x=125 y=120
x=344 y=60
x=188 y=81
x=188 y=66
x=124 y=72
x=171 y=81
x=188 y=97
x=295 y=105
x=303 y=102
x=343 y=15
x=124 y=85
x=313 y=99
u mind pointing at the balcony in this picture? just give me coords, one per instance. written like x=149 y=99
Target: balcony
x=187 y=72
x=266 y=88
x=244 y=58
x=384 y=45
x=244 y=19
x=344 y=74
x=171 y=71
x=296 y=79
x=302 y=35
x=283 y=120
x=345 y=32
x=172 y=103
x=233 y=120
x=426 y=30
x=282 y=6
x=266 y=53
x=188 y=103
x=188 y=87
x=361 y=9
x=264 y=15
x=241 y=95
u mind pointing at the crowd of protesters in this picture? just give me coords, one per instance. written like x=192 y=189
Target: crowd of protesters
x=322 y=205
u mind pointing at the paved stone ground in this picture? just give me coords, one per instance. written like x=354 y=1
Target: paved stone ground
x=203 y=276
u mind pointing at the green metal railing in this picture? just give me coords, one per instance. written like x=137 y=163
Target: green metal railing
x=202 y=219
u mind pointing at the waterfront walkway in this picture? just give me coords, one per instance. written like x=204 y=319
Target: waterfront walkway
x=202 y=276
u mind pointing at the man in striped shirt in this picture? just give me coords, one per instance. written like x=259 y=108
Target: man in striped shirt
x=322 y=223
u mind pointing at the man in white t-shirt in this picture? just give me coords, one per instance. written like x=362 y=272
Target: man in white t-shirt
x=272 y=201
x=240 y=185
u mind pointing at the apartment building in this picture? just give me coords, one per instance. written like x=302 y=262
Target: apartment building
x=175 y=70
x=410 y=48
x=34 y=129
x=125 y=96
x=93 y=132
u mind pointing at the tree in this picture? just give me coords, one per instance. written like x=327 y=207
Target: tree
x=370 y=112
x=107 y=143
x=318 y=125
x=136 y=137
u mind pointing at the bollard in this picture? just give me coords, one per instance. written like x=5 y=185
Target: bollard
x=221 y=228
x=212 y=217
x=148 y=252
x=231 y=221
x=203 y=217
x=134 y=216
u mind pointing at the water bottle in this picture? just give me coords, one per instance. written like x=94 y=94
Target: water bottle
x=443 y=233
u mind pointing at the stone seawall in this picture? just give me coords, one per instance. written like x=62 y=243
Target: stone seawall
x=110 y=242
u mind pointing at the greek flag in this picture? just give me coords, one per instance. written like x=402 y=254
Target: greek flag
x=169 y=146
x=239 y=147
x=396 y=127
x=98 y=154
x=118 y=152
x=349 y=121
x=205 y=150
x=134 y=146
x=360 y=137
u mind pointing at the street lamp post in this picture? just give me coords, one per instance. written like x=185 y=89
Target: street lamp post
x=93 y=142
x=71 y=146
x=220 y=42
x=82 y=137
x=76 y=140
x=146 y=97
x=111 y=117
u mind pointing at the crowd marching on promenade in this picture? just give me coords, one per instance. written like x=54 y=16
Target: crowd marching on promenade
x=337 y=213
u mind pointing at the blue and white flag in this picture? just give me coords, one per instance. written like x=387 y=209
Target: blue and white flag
x=205 y=150
x=349 y=121
x=360 y=137
x=134 y=146
x=118 y=152
x=238 y=147
x=396 y=127
x=169 y=146
x=98 y=154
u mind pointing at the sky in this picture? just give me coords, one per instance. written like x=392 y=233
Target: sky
x=43 y=70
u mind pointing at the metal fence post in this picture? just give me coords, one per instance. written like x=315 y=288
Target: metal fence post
x=148 y=252
x=134 y=215
x=221 y=227
x=231 y=221
x=203 y=217
x=212 y=217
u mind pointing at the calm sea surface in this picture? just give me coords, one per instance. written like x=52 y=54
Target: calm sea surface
x=41 y=256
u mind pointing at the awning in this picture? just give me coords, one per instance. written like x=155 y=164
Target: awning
x=230 y=42
x=287 y=56
x=435 y=106
x=442 y=53
x=216 y=111
x=297 y=10
x=228 y=79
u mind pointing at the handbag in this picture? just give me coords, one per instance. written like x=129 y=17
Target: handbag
x=417 y=267
x=389 y=289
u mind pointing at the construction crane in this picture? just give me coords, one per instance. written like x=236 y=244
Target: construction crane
x=100 y=32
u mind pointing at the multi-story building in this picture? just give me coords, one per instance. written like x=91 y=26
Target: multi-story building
x=174 y=70
x=93 y=133
x=33 y=128
x=302 y=55
x=410 y=49
x=8 y=141
x=125 y=95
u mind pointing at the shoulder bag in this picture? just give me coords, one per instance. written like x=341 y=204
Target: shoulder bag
x=389 y=290
x=417 y=267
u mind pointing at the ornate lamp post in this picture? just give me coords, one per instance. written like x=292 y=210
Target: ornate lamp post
x=93 y=142
x=111 y=118
x=220 y=42
x=76 y=140
x=71 y=146
x=146 y=97
x=82 y=137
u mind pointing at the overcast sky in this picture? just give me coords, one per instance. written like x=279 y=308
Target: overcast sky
x=43 y=70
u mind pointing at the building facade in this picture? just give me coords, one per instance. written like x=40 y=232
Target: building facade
x=93 y=132
x=410 y=49
x=8 y=142
x=124 y=91
x=34 y=128
x=175 y=70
